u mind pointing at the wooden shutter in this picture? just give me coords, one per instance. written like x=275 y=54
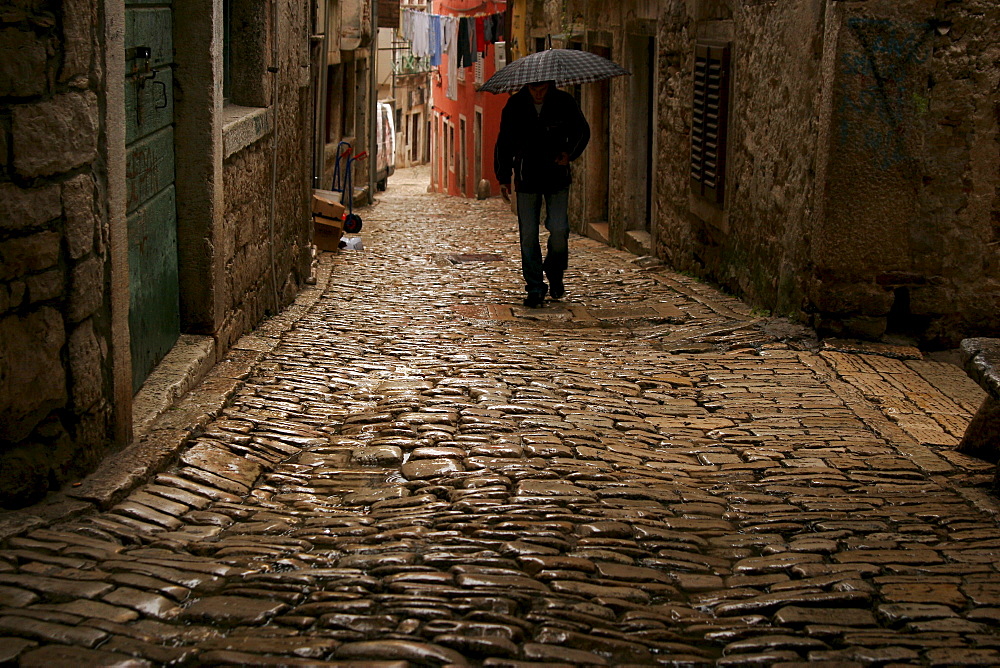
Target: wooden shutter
x=709 y=121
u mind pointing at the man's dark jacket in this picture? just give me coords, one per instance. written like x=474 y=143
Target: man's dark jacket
x=529 y=144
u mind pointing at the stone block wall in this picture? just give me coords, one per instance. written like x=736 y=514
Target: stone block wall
x=55 y=384
x=863 y=163
x=863 y=156
x=756 y=243
x=65 y=373
x=909 y=240
x=266 y=246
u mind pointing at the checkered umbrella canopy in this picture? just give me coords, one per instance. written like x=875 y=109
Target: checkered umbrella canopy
x=564 y=66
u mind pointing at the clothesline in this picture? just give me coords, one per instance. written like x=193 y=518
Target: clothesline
x=430 y=35
x=455 y=9
x=462 y=38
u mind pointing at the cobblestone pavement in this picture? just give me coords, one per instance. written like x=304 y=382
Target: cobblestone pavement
x=412 y=469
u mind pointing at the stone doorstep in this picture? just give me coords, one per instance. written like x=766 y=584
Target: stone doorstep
x=598 y=232
x=187 y=363
x=639 y=242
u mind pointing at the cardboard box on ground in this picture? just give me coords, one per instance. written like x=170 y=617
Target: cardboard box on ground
x=328 y=220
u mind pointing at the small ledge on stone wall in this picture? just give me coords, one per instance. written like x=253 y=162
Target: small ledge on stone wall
x=242 y=126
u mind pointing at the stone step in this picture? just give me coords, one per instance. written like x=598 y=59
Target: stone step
x=639 y=242
x=598 y=232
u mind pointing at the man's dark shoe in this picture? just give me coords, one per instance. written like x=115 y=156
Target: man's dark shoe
x=556 y=289
x=534 y=301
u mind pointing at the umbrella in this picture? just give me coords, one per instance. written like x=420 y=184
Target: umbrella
x=563 y=66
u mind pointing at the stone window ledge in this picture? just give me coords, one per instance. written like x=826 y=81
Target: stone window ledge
x=242 y=126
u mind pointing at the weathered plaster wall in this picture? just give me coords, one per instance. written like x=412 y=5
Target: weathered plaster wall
x=55 y=313
x=198 y=145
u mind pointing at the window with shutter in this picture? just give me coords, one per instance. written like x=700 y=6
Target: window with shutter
x=709 y=120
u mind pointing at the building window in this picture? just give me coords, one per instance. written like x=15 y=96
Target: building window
x=478 y=72
x=453 y=147
x=710 y=120
x=477 y=134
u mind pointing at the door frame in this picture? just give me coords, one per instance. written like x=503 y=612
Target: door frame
x=113 y=150
x=641 y=140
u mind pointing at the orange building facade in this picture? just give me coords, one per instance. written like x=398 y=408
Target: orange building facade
x=465 y=121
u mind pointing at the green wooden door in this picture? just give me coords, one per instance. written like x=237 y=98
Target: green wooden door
x=154 y=315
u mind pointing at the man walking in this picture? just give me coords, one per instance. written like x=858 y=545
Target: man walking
x=542 y=130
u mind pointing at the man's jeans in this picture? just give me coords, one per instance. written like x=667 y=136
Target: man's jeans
x=529 y=212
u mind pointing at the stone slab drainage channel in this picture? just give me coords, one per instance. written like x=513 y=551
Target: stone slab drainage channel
x=420 y=473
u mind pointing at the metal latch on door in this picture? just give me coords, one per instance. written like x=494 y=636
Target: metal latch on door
x=142 y=74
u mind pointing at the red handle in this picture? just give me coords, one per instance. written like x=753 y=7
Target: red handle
x=363 y=154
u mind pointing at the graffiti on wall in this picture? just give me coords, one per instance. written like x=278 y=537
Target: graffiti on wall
x=882 y=92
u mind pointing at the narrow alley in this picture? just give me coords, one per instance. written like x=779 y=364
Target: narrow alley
x=408 y=468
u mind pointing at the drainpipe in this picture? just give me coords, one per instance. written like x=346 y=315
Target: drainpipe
x=373 y=104
x=319 y=98
x=273 y=69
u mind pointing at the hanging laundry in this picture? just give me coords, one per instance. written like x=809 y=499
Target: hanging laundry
x=435 y=39
x=470 y=37
x=450 y=32
x=489 y=28
x=481 y=34
x=406 y=25
x=421 y=30
x=471 y=32
x=464 y=52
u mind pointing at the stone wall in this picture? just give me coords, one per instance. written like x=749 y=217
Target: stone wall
x=65 y=372
x=267 y=246
x=674 y=237
x=870 y=171
x=55 y=384
x=756 y=243
x=863 y=163
x=909 y=239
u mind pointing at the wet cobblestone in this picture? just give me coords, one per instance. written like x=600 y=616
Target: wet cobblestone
x=419 y=472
